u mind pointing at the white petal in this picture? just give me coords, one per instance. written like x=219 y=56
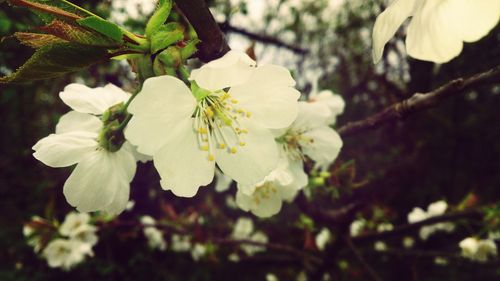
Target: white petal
x=77 y=121
x=182 y=165
x=120 y=200
x=311 y=115
x=252 y=162
x=300 y=178
x=472 y=20
x=223 y=182
x=65 y=149
x=322 y=144
x=232 y=69
x=95 y=101
x=429 y=36
x=388 y=22
x=269 y=96
x=98 y=179
x=162 y=103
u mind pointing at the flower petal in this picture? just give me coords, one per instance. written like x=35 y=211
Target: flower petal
x=322 y=144
x=162 y=103
x=77 y=121
x=311 y=115
x=472 y=20
x=120 y=200
x=388 y=22
x=65 y=149
x=94 y=101
x=253 y=161
x=98 y=179
x=182 y=165
x=269 y=96
x=429 y=36
x=260 y=205
x=232 y=69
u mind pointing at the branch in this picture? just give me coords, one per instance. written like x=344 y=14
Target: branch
x=403 y=229
x=418 y=102
x=362 y=260
x=213 y=44
x=227 y=27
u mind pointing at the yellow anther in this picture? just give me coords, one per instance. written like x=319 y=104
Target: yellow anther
x=244 y=131
x=234 y=100
x=233 y=150
x=242 y=143
x=211 y=157
x=249 y=114
x=209 y=112
x=202 y=130
x=222 y=146
x=239 y=110
x=204 y=147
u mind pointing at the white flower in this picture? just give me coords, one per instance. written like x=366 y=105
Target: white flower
x=181 y=243
x=438 y=28
x=73 y=222
x=265 y=199
x=385 y=227
x=478 y=249
x=380 y=246
x=271 y=277
x=322 y=238
x=66 y=253
x=408 y=242
x=434 y=209
x=187 y=136
x=198 y=251
x=309 y=135
x=33 y=237
x=333 y=102
x=440 y=261
x=153 y=234
x=357 y=226
x=243 y=228
x=259 y=237
x=101 y=178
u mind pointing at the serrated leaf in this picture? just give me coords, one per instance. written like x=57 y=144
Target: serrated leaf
x=78 y=34
x=159 y=17
x=55 y=60
x=104 y=27
x=48 y=7
x=37 y=40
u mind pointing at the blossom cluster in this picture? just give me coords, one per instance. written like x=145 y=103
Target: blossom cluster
x=66 y=245
x=242 y=119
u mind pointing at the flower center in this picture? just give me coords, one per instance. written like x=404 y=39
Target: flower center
x=293 y=141
x=217 y=123
x=263 y=192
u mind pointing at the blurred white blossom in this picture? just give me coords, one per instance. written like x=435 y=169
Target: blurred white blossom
x=478 y=249
x=153 y=235
x=434 y=209
x=65 y=253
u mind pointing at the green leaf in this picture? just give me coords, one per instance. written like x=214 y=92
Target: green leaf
x=102 y=26
x=78 y=34
x=53 y=8
x=37 y=40
x=55 y=60
x=159 y=17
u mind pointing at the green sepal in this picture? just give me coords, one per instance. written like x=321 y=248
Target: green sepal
x=190 y=49
x=55 y=60
x=159 y=17
x=106 y=28
x=165 y=37
x=171 y=57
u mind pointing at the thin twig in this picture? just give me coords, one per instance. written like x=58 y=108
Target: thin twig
x=362 y=260
x=418 y=102
x=226 y=27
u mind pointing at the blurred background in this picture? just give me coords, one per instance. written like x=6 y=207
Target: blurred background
x=444 y=153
